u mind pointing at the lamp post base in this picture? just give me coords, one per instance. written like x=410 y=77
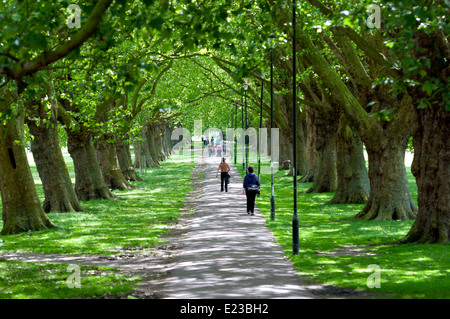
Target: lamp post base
x=295 y=239
x=272 y=207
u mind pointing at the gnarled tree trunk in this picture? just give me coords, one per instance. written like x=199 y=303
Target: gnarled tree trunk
x=125 y=163
x=58 y=189
x=431 y=169
x=353 y=181
x=312 y=156
x=89 y=183
x=109 y=164
x=326 y=179
x=145 y=149
x=431 y=164
x=301 y=165
x=22 y=210
x=389 y=198
x=152 y=141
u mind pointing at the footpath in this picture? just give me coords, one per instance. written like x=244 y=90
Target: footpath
x=227 y=253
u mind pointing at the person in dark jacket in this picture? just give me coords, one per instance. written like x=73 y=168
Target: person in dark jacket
x=250 y=181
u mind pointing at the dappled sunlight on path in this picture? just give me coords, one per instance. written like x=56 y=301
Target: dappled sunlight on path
x=227 y=253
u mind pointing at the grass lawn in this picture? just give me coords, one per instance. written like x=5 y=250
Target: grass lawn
x=24 y=280
x=135 y=220
x=406 y=271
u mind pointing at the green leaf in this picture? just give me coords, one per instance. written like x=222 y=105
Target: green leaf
x=429 y=87
x=423 y=103
x=148 y=2
x=156 y=23
x=36 y=41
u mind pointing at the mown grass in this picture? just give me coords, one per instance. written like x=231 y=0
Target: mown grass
x=24 y=280
x=135 y=221
x=406 y=271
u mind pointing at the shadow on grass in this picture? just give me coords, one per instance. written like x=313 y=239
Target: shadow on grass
x=136 y=219
x=337 y=250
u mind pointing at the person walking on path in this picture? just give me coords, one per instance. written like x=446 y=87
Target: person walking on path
x=219 y=150
x=251 y=189
x=210 y=150
x=224 y=169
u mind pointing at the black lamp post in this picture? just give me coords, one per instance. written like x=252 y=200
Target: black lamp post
x=272 y=197
x=295 y=239
x=260 y=126
x=246 y=123
x=243 y=139
x=235 y=127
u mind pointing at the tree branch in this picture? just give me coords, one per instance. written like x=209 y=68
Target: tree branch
x=64 y=49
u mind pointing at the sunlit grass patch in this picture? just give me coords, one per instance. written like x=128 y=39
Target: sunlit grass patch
x=108 y=225
x=23 y=280
x=335 y=250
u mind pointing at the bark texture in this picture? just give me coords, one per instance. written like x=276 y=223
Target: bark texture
x=22 y=210
x=353 y=181
x=89 y=183
x=125 y=163
x=57 y=184
x=432 y=172
x=389 y=198
x=432 y=146
x=312 y=156
x=325 y=144
x=109 y=164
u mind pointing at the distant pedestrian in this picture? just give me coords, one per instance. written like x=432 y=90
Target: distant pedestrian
x=251 y=189
x=219 y=150
x=224 y=169
x=210 y=150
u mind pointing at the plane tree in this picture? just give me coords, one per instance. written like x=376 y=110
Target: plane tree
x=24 y=52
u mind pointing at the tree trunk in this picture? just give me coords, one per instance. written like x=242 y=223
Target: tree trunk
x=89 y=183
x=168 y=141
x=152 y=143
x=431 y=142
x=159 y=144
x=432 y=172
x=286 y=149
x=389 y=197
x=137 y=155
x=145 y=149
x=58 y=189
x=353 y=181
x=22 y=210
x=312 y=156
x=109 y=164
x=326 y=181
x=301 y=166
x=124 y=157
